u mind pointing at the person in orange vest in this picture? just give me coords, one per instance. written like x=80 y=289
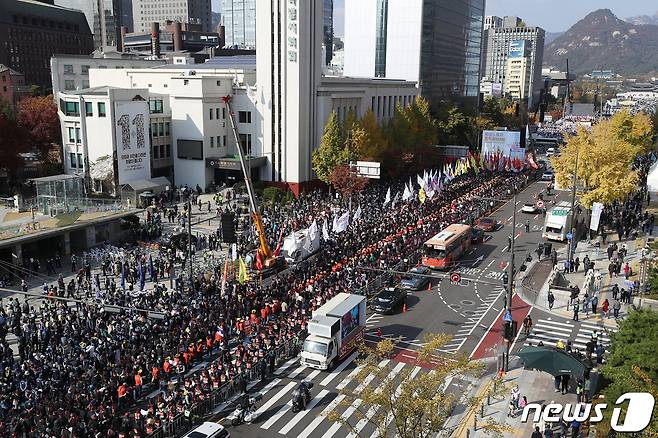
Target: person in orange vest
x=209 y=344
x=138 y=384
x=199 y=349
x=166 y=366
x=121 y=393
x=155 y=374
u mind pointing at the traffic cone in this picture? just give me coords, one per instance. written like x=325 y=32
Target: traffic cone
x=379 y=332
x=404 y=308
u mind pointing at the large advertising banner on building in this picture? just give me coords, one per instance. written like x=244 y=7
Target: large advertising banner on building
x=133 y=145
x=517 y=49
x=508 y=143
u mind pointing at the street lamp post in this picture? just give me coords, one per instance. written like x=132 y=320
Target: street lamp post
x=573 y=206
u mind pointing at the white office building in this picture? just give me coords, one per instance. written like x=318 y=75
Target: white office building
x=499 y=41
x=146 y=12
x=239 y=17
x=71 y=72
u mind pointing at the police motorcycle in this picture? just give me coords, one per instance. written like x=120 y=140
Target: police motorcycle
x=301 y=396
x=245 y=411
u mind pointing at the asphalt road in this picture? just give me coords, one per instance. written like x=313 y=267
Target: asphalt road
x=468 y=311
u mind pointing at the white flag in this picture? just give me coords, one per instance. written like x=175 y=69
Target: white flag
x=234 y=251
x=407 y=193
x=325 y=230
x=395 y=199
x=357 y=215
x=313 y=230
x=334 y=227
x=597 y=209
x=343 y=222
x=312 y=238
x=388 y=196
x=420 y=181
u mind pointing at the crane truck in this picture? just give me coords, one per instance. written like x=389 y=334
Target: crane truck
x=269 y=261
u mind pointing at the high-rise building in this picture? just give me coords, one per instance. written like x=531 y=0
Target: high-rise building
x=328 y=30
x=105 y=18
x=501 y=39
x=239 y=18
x=434 y=42
x=146 y=12
x=492 y=21
x=32 y=32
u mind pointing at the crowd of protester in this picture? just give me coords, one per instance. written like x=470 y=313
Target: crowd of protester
x=84 y=371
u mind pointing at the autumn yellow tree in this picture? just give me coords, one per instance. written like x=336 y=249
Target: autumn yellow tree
x=602 y=159
x=407 y=401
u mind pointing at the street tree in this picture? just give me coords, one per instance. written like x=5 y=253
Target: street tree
x=371 y=145
x=346 y=181
x=632 y=366
x=332 y=151
x=604 y=158
x=13 y=141
x=38 y=116
x=412 y=404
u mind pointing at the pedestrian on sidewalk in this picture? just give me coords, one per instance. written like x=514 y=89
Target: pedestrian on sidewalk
x=571 y=267
x=576 y=264
x=548 y=432
x=586 y=303
x=536 y=433
x=616 y=307
x=610 y=250
x=527 y=226
x=611 y=269
x=551 y=300
x=595 y=302
x=597 y=246
x=627 y=271
x=566 y=266
x=516 y=396
x=554 y=258
x=615 y=291
x=557 y=381
x=527 y=325
x=605 y=308
x=579 y=392
x=564 y=383
x=600 y=350
x=576 y=309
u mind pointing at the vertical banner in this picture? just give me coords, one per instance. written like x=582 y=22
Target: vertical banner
x=133 y=145
x=597 y=209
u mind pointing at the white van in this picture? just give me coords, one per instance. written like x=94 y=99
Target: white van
x=550 y=152
x=208 y=430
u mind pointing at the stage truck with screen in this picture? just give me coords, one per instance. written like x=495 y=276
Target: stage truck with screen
x=133 y=144
x=507 y=143
x=335 y=330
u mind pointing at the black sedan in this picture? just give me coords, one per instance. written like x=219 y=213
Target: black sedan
x=389 y=300
x=417 y=278
x=477 y=235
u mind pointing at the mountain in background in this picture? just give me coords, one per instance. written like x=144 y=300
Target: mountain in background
x=603 y=41
x=551 y=36
x=644 y=19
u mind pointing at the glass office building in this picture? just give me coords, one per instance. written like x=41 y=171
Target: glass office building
x=240 y=23
x=328 y=29
x=450 y=50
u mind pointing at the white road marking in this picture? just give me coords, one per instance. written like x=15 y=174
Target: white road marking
x=286 y=365
x=275 y=398
x=293 y=422
x=297 y=371
x=339 y=369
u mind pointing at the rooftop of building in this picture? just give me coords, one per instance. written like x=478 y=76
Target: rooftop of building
x=238 y=62
x=41 y=10
x=12 y=72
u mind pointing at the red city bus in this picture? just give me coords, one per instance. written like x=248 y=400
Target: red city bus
x=444 y=249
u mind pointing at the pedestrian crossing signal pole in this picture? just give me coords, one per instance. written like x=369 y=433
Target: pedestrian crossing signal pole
x=510 y=282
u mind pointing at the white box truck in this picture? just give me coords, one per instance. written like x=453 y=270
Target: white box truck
x=335 y=330
x=560 y=221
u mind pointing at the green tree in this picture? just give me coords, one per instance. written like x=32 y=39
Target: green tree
x=332 y=151
x=371 y=143
x=632 y=365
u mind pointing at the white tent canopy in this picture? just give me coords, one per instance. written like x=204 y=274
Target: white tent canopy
x=652 y=178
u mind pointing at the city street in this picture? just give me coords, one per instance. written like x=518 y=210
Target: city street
x=468 y=311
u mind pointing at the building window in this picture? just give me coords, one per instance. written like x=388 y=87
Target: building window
x=68 y=68
x=161 y=130
x=219 y=141
x=245 y=141
x=210 y=113
x=155 y=106
x=89 y=111
x=217 y=113
x=80 y=165
x=101 y=109
x=85 y=83
x=71 y=132
x=225 y=142
x=166 y=128
x=72 y=109
x=168 y=150
x=244 y=116
x=73 y=159
x=84 y=69
x=77 y=135
x=69 y=84
x=155 y=152
x=212 y=141
x=161 y=151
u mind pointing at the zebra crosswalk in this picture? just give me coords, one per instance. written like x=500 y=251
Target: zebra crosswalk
x=275 y=415
x=549 y=332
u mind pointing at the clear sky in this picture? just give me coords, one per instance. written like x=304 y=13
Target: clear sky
x=560 y=15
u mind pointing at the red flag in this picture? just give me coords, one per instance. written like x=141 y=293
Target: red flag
x=278 y=245
x=259 y=261
x=531 y=161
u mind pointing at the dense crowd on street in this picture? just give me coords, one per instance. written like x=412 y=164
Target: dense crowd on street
x=82 y=371
x=563 y=127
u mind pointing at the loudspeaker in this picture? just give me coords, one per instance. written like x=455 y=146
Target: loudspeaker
x=228 y=228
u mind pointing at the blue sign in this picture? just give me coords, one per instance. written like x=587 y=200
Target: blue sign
x=569 y=236
x=517 y=49
x=508 y=316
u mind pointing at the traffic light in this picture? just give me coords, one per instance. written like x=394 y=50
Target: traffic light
x=509 y=330
x=505 y=280
x=228 y=228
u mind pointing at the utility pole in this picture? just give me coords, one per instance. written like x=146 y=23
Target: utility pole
x=510 y=267
x=189 y=236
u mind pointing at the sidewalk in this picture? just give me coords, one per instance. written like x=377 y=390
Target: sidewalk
x=537 y=387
